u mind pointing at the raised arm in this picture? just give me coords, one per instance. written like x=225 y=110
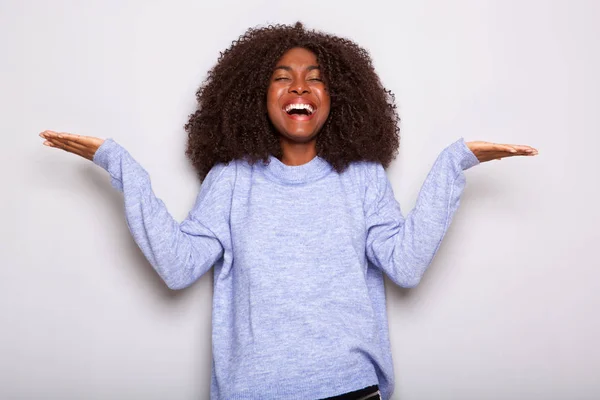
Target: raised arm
x=179 y=252
x=404 y=247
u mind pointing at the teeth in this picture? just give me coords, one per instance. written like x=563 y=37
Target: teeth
x=299 y=107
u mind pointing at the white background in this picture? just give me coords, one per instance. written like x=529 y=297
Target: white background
x=509 y=307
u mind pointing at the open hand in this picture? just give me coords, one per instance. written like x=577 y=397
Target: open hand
x=84 y=146
x=486 y=151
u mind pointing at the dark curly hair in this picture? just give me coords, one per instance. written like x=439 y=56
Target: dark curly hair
x=231 y=121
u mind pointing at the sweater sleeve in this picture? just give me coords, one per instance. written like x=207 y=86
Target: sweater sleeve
x=179 y=252
x=404 y=247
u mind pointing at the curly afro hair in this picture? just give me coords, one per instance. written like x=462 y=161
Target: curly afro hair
x=231 y=120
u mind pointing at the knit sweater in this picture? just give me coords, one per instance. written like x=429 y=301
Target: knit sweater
x=299 y=254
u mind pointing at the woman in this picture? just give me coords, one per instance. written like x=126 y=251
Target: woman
x=291 y=138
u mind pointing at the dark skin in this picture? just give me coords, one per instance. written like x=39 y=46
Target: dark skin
x=296 y=77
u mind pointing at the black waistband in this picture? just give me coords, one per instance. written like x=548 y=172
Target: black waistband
x=357 y=394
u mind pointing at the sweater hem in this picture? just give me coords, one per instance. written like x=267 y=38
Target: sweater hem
x=313 y=389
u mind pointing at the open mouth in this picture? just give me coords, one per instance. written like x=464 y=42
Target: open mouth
x=300 y=111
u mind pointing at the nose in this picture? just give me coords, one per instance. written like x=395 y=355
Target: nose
x=299 y=86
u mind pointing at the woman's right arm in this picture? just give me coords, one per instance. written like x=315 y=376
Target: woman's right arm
x=179 y=252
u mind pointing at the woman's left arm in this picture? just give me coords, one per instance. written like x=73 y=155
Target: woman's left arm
x=404 y=247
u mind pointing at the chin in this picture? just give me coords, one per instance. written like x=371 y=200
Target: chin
x=299 y=136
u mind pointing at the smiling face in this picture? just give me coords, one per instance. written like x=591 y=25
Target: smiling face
x=297 y=102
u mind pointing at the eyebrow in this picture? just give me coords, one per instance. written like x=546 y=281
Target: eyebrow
x=288 y=68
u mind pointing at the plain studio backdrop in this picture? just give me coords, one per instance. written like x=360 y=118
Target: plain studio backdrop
x=508 y=308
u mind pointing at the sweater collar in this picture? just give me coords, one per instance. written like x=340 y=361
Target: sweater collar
x=315 y=169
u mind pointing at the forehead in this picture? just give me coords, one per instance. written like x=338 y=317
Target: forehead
x=298 y=56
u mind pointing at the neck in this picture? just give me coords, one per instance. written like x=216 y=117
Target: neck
x=295 y=153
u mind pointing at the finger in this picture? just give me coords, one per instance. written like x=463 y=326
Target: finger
x=84 y=140
x=505 y=148
x=500 y=155
x=76 y=145
x=54 y=142
x=523 y=148
x=519 y=146
x=523 y=152
x=73 y=137
x=90 y=142
x=509 y=150
x=78 y=152
x=49 y=134
x=489 y=147
x=66 y=147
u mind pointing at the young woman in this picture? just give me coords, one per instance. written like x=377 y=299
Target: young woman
x=291 y=139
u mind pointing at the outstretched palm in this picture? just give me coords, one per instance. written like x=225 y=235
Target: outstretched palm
x=486 y=151
x=84 y=146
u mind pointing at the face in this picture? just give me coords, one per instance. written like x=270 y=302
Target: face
x=297 y=101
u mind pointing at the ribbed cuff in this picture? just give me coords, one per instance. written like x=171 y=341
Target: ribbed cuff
x=108 y=156
x=463 y=155
x=107 y=152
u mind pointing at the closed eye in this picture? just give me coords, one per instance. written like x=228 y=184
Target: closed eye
x=312 y=79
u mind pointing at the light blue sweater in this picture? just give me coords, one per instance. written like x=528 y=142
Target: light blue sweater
x=299 y=252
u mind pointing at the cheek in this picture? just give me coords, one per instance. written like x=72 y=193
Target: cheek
x=325 y=115
x=325 y=104
x=272 y=100
x=324 y=96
